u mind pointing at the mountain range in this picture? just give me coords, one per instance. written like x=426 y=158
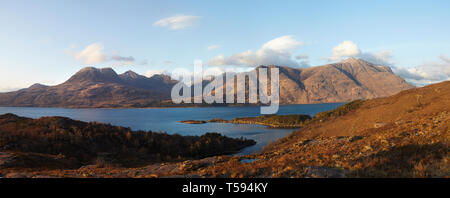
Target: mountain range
x=345 y=81
x=91 y=87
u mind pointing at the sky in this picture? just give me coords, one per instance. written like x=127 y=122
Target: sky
x=48 y=41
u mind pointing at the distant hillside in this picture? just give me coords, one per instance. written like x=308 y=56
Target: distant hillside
x=92 y=88
x=345 y=81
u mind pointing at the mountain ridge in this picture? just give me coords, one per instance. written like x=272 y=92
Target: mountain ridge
x=344 y=81
x=92 y=87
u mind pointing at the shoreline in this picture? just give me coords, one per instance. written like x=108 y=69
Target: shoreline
x=294 y=121
x=134 y=153
x=194 y=122
x=163 y=107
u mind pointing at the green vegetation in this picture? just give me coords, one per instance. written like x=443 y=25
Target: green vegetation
x=275 y=121
x=287 y=121
x=193 y=122
x=85 y=142
x=340 y=111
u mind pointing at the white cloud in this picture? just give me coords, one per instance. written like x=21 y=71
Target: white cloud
x=177 y=22
x=379 y=58
x=445 y=58
x=344 y=49
x=275 y=52
x=302 y=57
x=92 y=54
x=421 y=75
x=151 y=72
x=350 y=49
x=213 y=47
x=122 y=60
x=427 y=73
x=281 y=44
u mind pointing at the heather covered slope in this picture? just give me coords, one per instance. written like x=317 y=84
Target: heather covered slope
x=405 y=135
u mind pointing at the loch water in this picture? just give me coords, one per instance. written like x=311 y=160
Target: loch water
x=166 y=119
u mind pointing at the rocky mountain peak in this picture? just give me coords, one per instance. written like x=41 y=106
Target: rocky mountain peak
x=131 y=75
x=360 y=63
x=344 y=81
x=92 y=74
x=353 y=60
x=162 y=77
x=37 y=86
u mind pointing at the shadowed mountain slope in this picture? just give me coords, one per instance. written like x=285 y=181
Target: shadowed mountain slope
x=345 y=81
x=92 y=87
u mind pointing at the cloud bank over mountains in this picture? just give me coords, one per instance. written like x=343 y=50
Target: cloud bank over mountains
x=278 y=51
x=344 y=49
x=91 y=55
x=94 y=54
x=426 y=73
x=348 y=49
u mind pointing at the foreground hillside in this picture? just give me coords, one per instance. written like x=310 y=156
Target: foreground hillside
x=406 y=135
x=62 y=143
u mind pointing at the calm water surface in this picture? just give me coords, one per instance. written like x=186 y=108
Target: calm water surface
x=166 y=120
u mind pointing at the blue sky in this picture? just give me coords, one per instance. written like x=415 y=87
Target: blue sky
x=47 y=41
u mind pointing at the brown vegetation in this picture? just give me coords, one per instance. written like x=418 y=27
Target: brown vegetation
x=397 y=136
